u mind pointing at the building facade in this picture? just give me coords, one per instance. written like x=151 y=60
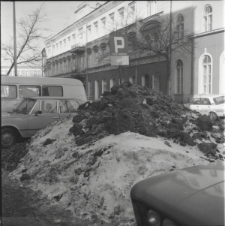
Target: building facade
x=82 y=49
x=22 y=69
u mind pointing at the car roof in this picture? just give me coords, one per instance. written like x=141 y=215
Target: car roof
x=187 y=193
x=51 y=98
x=207 y=95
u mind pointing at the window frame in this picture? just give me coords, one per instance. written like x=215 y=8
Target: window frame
x=180 y=76
x=207 y=74
x=208 y=17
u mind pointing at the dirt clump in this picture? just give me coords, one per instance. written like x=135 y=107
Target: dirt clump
x=145 y=111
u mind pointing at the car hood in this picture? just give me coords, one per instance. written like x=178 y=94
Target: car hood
x=192 y=196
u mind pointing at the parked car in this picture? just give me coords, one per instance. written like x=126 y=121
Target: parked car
x=209 y=104
x=189 y=197
x=33 y=114
x=15 y=88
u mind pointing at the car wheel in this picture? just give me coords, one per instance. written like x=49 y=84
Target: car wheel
x=213 y=116
x=8 y=137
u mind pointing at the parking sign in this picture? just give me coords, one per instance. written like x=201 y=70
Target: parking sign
x=118 y=45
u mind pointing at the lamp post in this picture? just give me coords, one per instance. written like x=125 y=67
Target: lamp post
x=14 y=35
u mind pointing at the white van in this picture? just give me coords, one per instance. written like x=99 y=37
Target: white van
x=13 y=89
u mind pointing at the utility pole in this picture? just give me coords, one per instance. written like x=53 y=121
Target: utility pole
x=14 y=35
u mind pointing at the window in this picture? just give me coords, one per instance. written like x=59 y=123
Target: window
x=90 y=89
x=121 y=12
x=8 y=91
x=81 y=33
x=180 y=26
x=152 y=8
x=179 y=77
x=111 y=15
x=103 y=25
x=57 y=46
x=29 y=91
x=112 y=82
x=208 y=18
x=60 y=45
x=56 y=91
x=64 y=42
x=49 y=106
x=132 y=9
x=69 y=41
x=207 y=74
x=145 y=81
x=89 y=29
x=73 y=37
x=66 y=106
x=96 y=90
x=89 y=59
x=96 y=27
x=37 y=107
x=104 y=85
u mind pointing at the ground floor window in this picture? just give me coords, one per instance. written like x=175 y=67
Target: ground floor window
x=179 y=68
x=207 y=74
x=104 y=85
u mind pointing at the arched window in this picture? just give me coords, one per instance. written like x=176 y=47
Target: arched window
x=180 y=26
x=208 y=18
x=179 y=77
x=147 y=80
x=207 y=74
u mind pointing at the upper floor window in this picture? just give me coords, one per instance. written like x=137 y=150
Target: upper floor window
x=207 y=74
x=132 y=8
x=121 y=12
x=96 y=26
x=60 y=45
x=89 y=29
x=179 y=76
x=81 y=32
x=208 y=18
x=152 y=8
x=180 y=26
x=64 y=42
x=103 y=24
x=111 y=15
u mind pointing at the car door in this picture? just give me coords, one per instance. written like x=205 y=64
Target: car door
x=48 y=113
x=204 y=107
x=195 y=103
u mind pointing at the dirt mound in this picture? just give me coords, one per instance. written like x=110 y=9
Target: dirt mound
x=145 y=111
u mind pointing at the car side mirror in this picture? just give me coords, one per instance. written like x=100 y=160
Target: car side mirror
x=38 y=112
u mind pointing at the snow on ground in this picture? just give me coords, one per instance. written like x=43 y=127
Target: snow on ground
x=94 y=180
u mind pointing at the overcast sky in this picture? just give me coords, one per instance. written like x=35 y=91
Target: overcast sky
x=60 y=14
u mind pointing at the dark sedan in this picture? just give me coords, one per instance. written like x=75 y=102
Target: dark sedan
x=189 y=197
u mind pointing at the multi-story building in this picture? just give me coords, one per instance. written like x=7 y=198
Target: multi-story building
x=22 y=69
x=82 y=49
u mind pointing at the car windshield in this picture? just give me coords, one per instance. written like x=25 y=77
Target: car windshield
x=25 y=106
x=219 y=100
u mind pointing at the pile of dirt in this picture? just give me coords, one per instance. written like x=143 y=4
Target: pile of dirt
x=145 y=111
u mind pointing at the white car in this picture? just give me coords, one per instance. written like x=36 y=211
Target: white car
x=209 y=104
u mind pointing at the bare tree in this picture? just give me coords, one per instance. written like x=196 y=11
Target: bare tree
x=29 y=33
x=162 y=39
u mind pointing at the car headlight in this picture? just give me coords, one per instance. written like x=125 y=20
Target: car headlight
x=168 y=222
x=153 y=218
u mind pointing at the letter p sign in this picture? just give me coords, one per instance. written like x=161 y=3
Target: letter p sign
x=118 y=45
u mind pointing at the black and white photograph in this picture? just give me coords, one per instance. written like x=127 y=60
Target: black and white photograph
x=112 y=113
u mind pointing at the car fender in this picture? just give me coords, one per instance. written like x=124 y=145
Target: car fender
x=21 y=133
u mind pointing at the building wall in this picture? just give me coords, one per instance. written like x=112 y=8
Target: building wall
x=97 y=68
x=213 y=46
